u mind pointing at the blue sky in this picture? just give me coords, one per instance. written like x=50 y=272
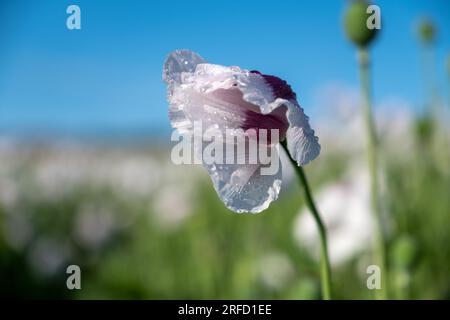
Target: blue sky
x=106 y=77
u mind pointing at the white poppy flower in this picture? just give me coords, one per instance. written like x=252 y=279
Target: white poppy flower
x=347 y=216
x=233 y=98
x=275 y=271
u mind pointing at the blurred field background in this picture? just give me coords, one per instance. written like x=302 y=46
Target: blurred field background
x=86 y=176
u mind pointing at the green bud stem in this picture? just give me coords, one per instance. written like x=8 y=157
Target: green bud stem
x=325 y=270
x=372 y=146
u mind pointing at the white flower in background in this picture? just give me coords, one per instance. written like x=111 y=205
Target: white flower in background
x=9 y=193
x=345 y=208
x=395 y=121
x=172 y=204
x=60 y=170
x=340 y=107
x=233 y=98
x=94 y=225
x=174 y=174
x=275 y=271
x=58 y=173
x=48 y=256
x=136 y=175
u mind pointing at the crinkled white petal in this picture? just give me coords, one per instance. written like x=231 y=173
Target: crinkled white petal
x=242 y=188
x=177 y=62
x=302 y=143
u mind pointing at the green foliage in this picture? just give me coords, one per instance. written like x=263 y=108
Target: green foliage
x=215 y=253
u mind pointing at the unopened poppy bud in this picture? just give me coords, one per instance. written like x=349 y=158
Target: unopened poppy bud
x=427 y=31
x=355 y=24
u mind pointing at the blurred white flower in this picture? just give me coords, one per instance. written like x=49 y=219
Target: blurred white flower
x=59 y=170
x=173 y=174
x=134 y=175
x=59 y=173
x=9 y=193
x=47 y=256
x=345 y=209
x=94 y=225
x=395 y=121
x=340 y=111
x=172 y=204
x=339 y=106
x=275 y=271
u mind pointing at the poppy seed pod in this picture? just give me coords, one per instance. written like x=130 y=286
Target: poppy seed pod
x=427 y=31
x=355 y=24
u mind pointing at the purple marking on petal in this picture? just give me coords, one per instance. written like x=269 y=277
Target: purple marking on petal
x=279 y=87
x=250 y=114
x=274 y=120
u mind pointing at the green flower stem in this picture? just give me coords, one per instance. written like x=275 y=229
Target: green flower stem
x=372 y=144
x=325 y=270
x=428 y=76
